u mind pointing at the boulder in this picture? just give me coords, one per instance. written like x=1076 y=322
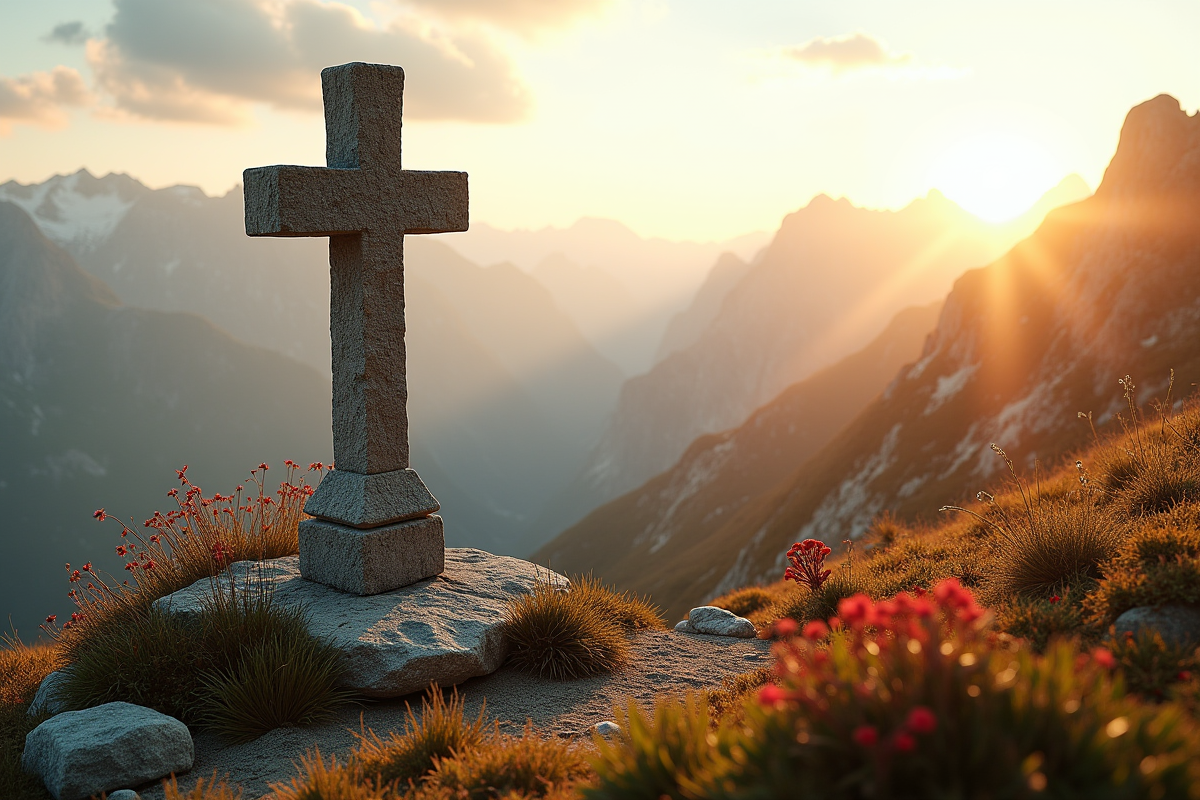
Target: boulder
x=78 y=754
x=124 y=794
x=685 y=626
x=720 y=622
x=1178 y=625
x=46 y=700
x=444 y=629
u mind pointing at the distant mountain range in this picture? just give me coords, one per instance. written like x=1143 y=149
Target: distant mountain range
x=100 y=402
x=1107 y=286
x=831 y=278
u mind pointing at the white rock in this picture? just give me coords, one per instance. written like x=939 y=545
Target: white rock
x=445 y=629
x=78 y=754
x=719 y=622
x=684 y=626
x=606 y=728
x=47 y=698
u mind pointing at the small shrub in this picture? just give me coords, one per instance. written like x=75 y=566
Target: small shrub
x=1158 y=565
x=804 y=605
x=284 y=679
x=193 y=667
x=658 y=756
x=442 y=731
x=631 y=612
x=1149 y=665
x=510 y=767
x=334 y=781
x=1046 y=544
x=1038 y=620
x=563 y=634
x=746 y=601
x=913 y=698
x=728 y=700
x=213 y=789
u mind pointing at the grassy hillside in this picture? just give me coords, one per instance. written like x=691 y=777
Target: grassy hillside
x=675 y=512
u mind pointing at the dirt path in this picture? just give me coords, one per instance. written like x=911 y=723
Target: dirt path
x=664 y=662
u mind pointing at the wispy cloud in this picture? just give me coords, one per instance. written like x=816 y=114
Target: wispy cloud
x=70 y=33
x=210 y=60
x=41 y=98
x=521 y=16
x=851 y=51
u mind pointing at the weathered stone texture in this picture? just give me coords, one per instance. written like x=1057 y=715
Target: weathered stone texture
x=375 y=560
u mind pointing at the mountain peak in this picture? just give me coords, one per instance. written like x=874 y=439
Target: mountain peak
x=1152 y=154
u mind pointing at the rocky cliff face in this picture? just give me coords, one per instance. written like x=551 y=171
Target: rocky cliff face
x=1105 y=287
x=668 y=519
x=828 y=283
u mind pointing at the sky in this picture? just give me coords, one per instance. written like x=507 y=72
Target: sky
x=684 y=119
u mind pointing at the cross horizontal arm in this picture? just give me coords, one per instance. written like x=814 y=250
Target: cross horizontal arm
x=319 y=201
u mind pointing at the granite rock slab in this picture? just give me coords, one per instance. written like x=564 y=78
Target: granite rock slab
x=715 y=621
x=78 y=754
x=46 y=700
x=1178 y=625
x=445 y=629
x=372 y=561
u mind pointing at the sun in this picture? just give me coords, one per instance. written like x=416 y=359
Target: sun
x=995 y=176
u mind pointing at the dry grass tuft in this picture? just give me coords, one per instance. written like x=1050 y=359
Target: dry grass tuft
x=212 y=789
x=22 y=668
x=631 y=612
x=567 y=634
x=746 y=601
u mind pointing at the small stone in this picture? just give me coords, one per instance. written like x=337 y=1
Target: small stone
x=606 y=728
x=444 y=629
x=373 y=561
x=684 y=626
x=720 y=622
x=78 y=754
x=124 y=794
x=1178 y=625
x=47 y=699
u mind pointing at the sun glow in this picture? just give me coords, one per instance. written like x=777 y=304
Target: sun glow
x=995 y=177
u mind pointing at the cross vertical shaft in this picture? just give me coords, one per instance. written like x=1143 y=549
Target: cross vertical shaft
x=374 y=530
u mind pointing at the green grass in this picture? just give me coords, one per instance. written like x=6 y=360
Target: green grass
x=240 y=667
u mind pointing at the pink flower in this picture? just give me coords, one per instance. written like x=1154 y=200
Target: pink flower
x=865 y=736
x=921 y=720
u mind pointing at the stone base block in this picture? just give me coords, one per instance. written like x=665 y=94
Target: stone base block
x=366 y=562
x=369 y=501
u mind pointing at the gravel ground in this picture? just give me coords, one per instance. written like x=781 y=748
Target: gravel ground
x=665 y=662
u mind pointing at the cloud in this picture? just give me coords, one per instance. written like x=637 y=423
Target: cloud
x=67 y=33
x=41 y=97
x=847 y=52
x=210 y=60
x=522 y=16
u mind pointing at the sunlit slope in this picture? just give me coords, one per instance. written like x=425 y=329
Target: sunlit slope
x=832 y=277
x=630 y=540
x=1108 y=286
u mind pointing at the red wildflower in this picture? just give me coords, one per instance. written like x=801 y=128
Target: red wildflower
x=1055 y=599
x=87 y=567
x=50 y=619
x=771 y=694
x=857 y=610
x=149 y=564
x=816 y=630
x=315 y=466
x=131 y=565
x=1184 y=675
x=807 y=558
x=1104 y=657
x=904 y=742
x=784 y=627
x=865 y=736
x=263 y=466
x=74 y=576
x=182 y=474
x=100 y=515
x=121 y=550
x=921 y=720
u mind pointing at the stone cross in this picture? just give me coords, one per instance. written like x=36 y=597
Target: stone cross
x=374 y=529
